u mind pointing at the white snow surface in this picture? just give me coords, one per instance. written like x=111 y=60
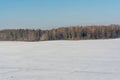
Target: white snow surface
x=60 y=60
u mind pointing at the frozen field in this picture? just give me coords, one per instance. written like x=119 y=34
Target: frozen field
x=60 y=60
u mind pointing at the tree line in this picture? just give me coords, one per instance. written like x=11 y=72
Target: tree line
x=63 y=33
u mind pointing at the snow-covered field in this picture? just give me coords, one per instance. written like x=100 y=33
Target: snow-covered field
x=60 y=60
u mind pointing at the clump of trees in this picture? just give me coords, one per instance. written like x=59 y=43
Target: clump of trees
x=64 y=33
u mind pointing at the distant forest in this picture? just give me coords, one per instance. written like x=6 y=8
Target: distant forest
x=63 y=33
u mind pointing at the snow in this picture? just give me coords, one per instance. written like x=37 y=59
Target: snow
x=60 y=60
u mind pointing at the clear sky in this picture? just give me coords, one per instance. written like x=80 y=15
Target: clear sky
x=56 y=13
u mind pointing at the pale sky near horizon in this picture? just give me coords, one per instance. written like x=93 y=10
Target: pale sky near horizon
x=45 y=14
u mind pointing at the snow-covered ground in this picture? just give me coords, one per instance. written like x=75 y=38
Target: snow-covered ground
x=60 y=60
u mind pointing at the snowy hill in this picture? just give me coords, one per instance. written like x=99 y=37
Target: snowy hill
x=60 y=60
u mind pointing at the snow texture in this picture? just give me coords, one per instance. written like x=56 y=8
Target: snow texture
x=60 y=60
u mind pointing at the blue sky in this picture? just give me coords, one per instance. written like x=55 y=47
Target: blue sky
x=56 y=13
